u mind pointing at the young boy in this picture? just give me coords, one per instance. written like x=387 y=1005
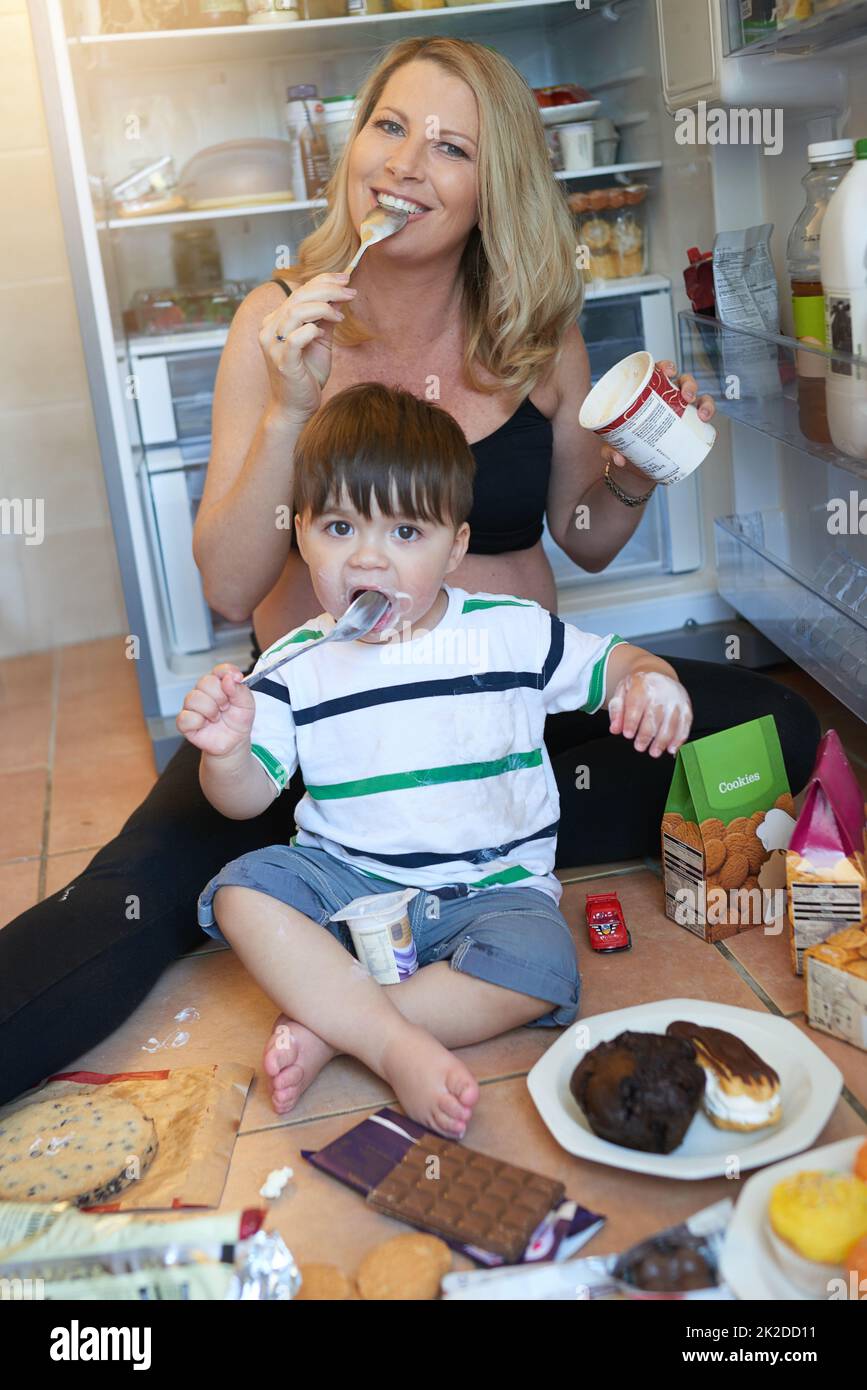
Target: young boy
x=422 y=750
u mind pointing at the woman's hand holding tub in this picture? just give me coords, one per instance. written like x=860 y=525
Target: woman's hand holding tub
x=217 y=717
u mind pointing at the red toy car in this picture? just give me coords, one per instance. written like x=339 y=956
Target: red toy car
x=606 y=924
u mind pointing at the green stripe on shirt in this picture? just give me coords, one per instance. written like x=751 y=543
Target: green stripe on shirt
x=306 y=634
x=504 y=876
x=427 y=776
x=597 y=679
x=471 y=604
x=272 y=765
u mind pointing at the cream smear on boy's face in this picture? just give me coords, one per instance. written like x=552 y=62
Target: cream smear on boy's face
x=405 y=558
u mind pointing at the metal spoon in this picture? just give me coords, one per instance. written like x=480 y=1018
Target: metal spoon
x=359 y=619
x=379 y=223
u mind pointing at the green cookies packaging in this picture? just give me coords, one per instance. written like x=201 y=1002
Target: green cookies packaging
x=728 y=807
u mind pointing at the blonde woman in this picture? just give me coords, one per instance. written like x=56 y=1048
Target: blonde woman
x=473 y=305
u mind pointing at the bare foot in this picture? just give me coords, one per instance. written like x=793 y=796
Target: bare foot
x=432 y=1085
x=294 y=1057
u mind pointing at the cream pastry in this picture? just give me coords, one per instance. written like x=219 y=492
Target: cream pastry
x=741 y=1091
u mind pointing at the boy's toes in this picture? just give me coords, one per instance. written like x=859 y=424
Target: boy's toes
x=455 y=1129
x=453 y=1108
x=463 y=1087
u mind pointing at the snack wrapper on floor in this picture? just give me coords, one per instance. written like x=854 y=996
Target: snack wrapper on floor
x=681 y=1262
x=825 y=861
x=489 y=1210
x=56 y=1252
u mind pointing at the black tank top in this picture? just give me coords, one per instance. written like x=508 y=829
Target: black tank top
x=513 y=466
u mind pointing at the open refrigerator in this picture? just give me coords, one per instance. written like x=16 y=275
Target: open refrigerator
x=744 y=535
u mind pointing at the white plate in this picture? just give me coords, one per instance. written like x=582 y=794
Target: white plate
x=565 y=115
x=809 y=1088
x=749 y=1265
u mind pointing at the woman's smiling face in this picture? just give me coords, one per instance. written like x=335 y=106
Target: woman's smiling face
x=420 y=143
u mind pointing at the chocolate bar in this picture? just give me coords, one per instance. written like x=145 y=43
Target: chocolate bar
x=467 y=1196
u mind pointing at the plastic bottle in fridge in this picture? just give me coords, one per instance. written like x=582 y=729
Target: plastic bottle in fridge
x=844 y=281
x=830 y=162
x=310 y=159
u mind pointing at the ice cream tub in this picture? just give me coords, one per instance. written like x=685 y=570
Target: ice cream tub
x=381 y=934
x=640 y=413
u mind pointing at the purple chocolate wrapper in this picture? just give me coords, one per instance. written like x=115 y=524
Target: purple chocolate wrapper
x=365 y=1155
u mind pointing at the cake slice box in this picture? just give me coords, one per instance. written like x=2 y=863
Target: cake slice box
x=826 y=863
x=717 y=831
x=835 y=973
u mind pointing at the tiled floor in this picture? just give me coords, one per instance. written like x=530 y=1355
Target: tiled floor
x=75 y=761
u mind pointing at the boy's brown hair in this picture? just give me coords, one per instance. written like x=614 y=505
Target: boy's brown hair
x=380 y=441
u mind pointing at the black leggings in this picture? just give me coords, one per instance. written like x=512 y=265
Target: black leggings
x=76 y=965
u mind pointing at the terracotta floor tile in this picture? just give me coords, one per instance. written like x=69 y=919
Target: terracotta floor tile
x=234 y=1015
x=22 y=812
x=666 y=961
x=321 y=1220
x=92 y=798
x=96 y=668
x=23 y=677
x=121 y=731
x=27 y=731
x=18 y=888
x=765 y=956
x=851 y=1060
x=61 y=869
x=98 y=671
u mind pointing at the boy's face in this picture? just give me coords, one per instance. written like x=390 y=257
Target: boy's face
x=403 y=557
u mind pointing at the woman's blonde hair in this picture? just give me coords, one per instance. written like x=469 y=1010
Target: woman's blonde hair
x=521 y=286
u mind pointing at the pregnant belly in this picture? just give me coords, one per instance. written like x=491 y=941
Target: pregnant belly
x=525 y=573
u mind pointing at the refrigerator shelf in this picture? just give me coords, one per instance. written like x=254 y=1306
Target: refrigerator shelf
x=824 y=31
x=803 y=410
x=122 y=224
x=160 y=48
x=819 y=620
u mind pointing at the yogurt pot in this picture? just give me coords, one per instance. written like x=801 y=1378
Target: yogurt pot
x=641 y=414
x=381 y=934
x=576 y=144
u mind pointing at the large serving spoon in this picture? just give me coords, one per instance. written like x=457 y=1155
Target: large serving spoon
x=379 y=223
x=359 y=619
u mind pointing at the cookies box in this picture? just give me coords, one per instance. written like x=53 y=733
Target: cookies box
x=728 y=807
x=836 y=982
x=825 y=860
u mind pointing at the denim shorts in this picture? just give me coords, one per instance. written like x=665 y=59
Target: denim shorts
x=513 y=937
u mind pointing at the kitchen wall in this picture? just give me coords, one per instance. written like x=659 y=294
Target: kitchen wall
x=67 y=587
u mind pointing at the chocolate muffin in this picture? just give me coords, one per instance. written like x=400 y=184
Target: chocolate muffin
x=640 y=1090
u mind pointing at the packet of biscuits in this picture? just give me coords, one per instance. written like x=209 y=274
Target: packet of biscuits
x=729 y=806
x=836 y=985
x=486 y=1208
x=825 y=860
x=123 y=1141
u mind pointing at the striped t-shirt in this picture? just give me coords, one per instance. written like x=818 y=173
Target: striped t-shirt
x=424 y=760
